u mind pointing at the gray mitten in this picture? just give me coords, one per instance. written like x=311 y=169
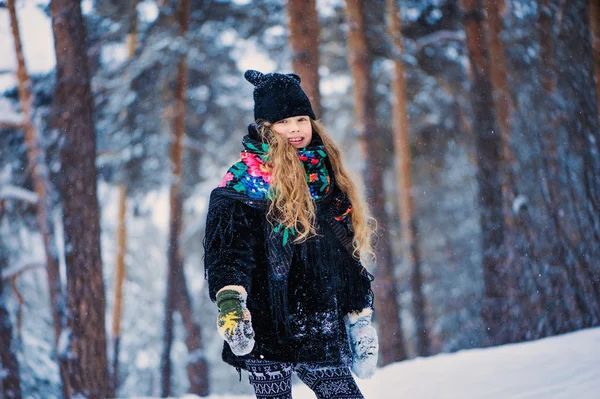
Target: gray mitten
x=234 y=321
x=363 y=342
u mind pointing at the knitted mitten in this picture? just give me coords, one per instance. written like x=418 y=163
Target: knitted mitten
x=234 y=322
x=363 y=342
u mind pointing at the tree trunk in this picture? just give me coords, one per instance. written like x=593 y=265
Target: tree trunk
x=119 y=278
x=177 y=294
x=197 y=365
x=488 y=145
x=594 y=13
x=546 y=54
x=170 y=300
x=86 y=349
x=10 y=383
x=401 y=133
x=495 y=9
x=386 y=293
x=120 y=267
x=39 y=173
x=304 y=41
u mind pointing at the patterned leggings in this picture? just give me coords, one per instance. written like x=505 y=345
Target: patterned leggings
x=273 y=380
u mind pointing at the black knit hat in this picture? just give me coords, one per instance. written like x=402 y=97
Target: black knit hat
x=278 y=96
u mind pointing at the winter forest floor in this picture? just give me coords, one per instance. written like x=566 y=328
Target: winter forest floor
x=566 y=366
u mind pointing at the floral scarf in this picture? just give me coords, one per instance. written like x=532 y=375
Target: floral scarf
x=250 y=174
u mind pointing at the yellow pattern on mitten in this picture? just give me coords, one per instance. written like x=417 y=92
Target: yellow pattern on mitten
x=234 y=322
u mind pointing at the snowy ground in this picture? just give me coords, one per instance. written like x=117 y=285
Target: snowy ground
x=566 y=366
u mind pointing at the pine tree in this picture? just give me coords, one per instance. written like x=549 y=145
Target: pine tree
x=401 y=132
x=488 y=143
x=304 y=41
x=178 y=297
x=87 y=368
x=10 y=383
x=40 y=174
x=386 y=294
x=594 y=13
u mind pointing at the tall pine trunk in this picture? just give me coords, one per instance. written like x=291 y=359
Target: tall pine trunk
x=119 y=279
x=304 y=41
x=178 y=297
x=39 y=173
x=10 y=382
x=594 y=13
x=495 y=10
x=87 y=368
x=569 y=141
x=120 y=266
x=386 y=292
x=488 y=147
x=197 y=365
x=401 y=133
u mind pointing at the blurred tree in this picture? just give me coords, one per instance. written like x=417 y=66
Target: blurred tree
x=120 y=267
x=595 y=31
x=551 y=248
x=304 y=40
x=177 y=293
x=119 y=278
x=386 y=295
x=495 y=10
x=545 y=26
x=41 y=176
x=569 y=141
x=488 y=140
x=11 y=379
x=401 y=132
x=85 y=336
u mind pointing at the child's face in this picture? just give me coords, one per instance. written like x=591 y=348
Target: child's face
x=296 y=129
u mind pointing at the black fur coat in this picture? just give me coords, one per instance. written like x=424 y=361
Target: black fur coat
x=324 y=281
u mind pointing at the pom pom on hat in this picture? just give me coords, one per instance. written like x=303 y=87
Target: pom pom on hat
x=278 y=96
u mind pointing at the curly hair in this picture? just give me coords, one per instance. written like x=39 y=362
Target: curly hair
x=291 y=203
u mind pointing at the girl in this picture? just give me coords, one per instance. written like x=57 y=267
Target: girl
x=284 y=232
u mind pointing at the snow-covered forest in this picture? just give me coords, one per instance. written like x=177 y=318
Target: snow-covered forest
x=473 y=125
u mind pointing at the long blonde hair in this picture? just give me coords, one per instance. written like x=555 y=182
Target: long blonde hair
x=291 y=203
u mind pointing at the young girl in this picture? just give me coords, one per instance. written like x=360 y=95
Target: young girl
x=284 y=232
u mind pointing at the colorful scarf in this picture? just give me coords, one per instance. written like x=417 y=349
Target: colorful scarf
x=251 y=176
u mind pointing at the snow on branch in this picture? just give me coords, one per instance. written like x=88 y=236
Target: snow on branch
x=10 y=117
x=437 y=37
x=21 y=268
x=13 y=192
x=11 y=124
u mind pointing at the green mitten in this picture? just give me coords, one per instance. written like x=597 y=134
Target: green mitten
x=234 y=322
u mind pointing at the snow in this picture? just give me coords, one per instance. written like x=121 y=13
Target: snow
x=8 y=191
x=250 y=57
x=36 y=36
x=22 y=267
x=557 y=367
x=7 y=112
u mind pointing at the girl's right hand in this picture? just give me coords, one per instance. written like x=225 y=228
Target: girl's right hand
x=234 y=322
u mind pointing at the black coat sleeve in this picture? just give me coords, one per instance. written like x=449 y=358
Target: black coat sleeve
x=361 y=293
x=358 y=292
x=231 y=237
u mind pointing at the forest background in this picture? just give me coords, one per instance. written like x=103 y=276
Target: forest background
x=474 y=126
